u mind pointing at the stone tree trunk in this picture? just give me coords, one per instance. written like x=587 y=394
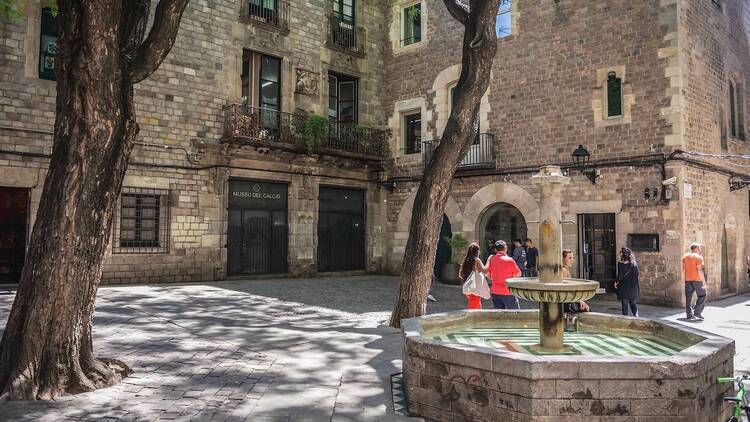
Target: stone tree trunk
x=479 y=48
x=46 y=349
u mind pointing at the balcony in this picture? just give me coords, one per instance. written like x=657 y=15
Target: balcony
x=345 y=35
x=274 y=129
x=273 y=13
x=481 y=154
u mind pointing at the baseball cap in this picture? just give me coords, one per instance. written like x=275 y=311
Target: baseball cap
x=501 y=244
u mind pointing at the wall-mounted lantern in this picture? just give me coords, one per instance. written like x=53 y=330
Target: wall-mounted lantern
x=581 y=162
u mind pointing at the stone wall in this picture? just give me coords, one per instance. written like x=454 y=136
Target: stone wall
x=179 y=111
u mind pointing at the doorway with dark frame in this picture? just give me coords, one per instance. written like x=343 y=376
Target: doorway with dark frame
x=14 y=217
x=598 y=249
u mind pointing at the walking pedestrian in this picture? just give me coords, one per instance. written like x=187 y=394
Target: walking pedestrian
x=628 y=289
x=501 y=268
x=472 y=263
x=695 y=281
x=532 y=264
x=519 y=254
x=568 y=260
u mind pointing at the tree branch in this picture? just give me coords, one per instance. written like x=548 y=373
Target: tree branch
x=133 y=22
x=457 y=10
x=160 y=39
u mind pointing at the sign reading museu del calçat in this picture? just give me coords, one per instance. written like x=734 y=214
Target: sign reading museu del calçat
x=257 y=194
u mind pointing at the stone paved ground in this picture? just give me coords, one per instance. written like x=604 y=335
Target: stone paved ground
x=271 y=350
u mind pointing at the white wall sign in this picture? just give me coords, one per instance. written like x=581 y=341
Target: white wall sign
x=688 y=190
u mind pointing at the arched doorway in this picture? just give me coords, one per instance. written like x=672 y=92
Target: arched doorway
x=501 y=221
x=443 y=249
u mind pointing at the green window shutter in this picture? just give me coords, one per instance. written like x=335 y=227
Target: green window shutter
x=614 y=95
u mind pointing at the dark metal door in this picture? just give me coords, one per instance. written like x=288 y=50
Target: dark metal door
x=598 y=248
x=341 y=230
x=14 y=205
x=257 y=232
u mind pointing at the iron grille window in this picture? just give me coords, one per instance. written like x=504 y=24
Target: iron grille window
x=142 y=224
x=265 y=10
x=504 y=19
x=413 y=135
x=47 y=45
x=412 y=24
x=614 y=95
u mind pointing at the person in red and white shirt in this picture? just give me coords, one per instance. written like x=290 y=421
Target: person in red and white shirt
x=500 y=268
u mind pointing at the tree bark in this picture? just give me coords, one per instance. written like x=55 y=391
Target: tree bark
x=479 y=48
x=46 y=349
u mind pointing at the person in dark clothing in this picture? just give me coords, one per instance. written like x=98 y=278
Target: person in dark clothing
x=628 y=289
x=532 y=253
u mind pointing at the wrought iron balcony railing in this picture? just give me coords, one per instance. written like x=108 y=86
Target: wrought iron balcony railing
x=481 y=153
x=345 y=35
x=262 y=126
x=274 y=12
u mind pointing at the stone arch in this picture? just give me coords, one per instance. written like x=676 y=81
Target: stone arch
x=452 y=210
x=399 y=237
x=490 y=195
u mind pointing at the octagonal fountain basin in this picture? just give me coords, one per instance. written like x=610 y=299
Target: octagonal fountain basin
x=479 y=366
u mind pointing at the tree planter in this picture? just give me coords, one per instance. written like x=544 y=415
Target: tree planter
x=449 y=274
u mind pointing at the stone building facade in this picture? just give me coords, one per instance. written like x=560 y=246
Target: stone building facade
x=672 y=64
x=244 y=182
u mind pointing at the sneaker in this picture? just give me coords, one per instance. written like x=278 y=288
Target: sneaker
x=431 y=298
x=699 y=317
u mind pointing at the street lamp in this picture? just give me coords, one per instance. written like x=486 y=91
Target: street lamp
x=581 y=158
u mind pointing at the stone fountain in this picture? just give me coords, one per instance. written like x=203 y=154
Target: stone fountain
x=550 y=289
x=501 y=365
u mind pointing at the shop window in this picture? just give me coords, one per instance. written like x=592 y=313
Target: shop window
x=412 y=133
x=504 y=19
x=412 y=18
x=736 y=110
x=142 y=221
x=614 y=95
x=48 y=45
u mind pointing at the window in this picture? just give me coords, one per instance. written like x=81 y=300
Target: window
x=412 y=24
x=736 y=124
x=413 y=133
x=344 y=10
x=264 y=10
x=342 y=98
x=261 y=86
x=48 y=45
x=643 y=242
x=504 y=19
x=142 y=224
x=614 y=95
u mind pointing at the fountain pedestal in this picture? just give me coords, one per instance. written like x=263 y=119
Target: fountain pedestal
x=550 y=289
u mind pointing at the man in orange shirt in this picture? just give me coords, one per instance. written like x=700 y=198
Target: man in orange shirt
x=695 y=281
x=501 y=268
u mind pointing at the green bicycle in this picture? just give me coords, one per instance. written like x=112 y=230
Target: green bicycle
x=740 y=400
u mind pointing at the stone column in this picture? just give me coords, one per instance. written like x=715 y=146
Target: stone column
x=551 y=327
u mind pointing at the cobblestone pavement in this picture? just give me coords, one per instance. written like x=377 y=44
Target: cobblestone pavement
x=272 y=350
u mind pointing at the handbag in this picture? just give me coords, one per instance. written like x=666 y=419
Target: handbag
x=476 y=284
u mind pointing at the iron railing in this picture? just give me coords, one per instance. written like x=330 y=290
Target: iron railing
x=264 y=126
x=345 y=34
x=273 y=12
x=481 y=153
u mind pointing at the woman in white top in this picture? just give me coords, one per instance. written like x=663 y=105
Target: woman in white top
x=472 y=263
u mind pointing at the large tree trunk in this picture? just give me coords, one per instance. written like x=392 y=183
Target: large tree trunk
x=46 y=349
x=479 y=47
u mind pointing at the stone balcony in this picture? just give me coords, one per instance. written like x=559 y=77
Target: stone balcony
x=245 y=125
